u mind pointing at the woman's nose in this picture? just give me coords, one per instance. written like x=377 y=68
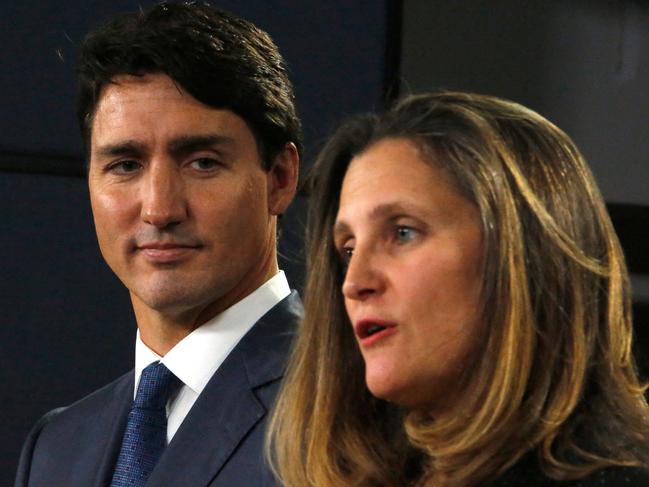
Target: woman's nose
x=364 y=277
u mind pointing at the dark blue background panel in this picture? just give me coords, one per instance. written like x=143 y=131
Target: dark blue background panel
x=67 y=326
x=334 y=51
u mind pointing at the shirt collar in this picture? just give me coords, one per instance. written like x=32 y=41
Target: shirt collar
x=197 y=356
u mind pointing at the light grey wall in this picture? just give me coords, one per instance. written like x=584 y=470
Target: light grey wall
x=584 y=64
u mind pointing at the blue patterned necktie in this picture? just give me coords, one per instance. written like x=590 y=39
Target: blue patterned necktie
x=145 y=436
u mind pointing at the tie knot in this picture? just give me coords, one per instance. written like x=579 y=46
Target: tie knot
x=157 y=383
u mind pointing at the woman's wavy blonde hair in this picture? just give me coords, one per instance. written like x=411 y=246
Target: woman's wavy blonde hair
x=554 y=373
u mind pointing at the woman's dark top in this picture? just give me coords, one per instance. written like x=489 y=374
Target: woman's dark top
x=527 y=473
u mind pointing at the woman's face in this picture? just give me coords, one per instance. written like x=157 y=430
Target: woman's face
x=413 y=248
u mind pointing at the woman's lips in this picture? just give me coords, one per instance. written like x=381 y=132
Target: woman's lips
x=370 y=331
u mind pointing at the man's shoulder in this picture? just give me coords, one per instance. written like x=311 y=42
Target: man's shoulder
x=284 y=317
x=68 y=433
x=277 y=326
x=266 y=346
x=289 y=309
x=258 y=361
x=87 y=407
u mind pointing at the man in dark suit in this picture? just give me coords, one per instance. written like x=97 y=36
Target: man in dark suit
x=193 y=145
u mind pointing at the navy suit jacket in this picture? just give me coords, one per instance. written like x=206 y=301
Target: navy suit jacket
x=219 y=444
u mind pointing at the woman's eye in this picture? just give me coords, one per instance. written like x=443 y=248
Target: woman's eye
x=405 y=234
x=204 y=164
x=346 y=252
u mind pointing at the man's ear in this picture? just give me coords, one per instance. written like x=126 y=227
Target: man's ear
x=282 y=179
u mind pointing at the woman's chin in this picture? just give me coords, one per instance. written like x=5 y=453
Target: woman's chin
x=393 y=391
x=427 y=394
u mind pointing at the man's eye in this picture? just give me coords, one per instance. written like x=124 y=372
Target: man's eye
x=124 y=167
x=204 y=164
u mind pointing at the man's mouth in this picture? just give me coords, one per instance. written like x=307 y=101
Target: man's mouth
x=165 y=246
x=166 y=252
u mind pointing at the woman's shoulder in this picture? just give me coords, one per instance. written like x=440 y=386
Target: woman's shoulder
x=614 y=477
x=528 y=474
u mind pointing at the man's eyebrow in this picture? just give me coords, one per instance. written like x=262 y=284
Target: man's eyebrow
x=191 y=143
x=127 y=147
x=178 y=146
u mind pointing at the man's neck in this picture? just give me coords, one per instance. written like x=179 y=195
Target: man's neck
x=161 y=330
x=161 y=334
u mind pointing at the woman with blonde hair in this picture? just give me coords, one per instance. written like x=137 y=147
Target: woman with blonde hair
x=467 y=310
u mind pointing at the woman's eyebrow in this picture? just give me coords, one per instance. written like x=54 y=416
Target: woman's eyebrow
x=383 y=210
x=341 y=228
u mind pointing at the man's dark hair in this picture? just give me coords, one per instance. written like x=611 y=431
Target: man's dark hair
x=222 y=60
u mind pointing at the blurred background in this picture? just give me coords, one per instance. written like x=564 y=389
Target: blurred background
x=67 y=326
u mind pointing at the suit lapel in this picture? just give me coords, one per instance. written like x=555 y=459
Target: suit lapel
x=228 y=407
x=110 y=429
x=220 y=418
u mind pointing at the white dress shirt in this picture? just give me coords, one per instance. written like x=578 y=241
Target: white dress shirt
x=197 y=356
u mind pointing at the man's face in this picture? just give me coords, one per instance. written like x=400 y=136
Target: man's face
x=183 y=210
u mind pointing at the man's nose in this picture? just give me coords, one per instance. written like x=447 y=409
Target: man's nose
x=163 y=196
x=364 y=277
